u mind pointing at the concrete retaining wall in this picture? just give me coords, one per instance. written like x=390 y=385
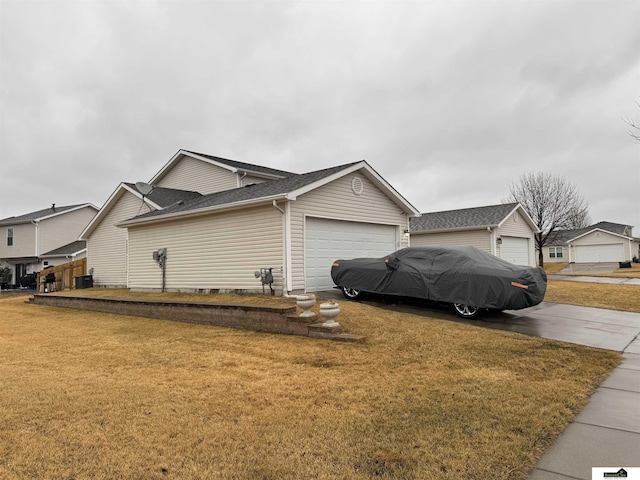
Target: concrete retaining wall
x=251 y=317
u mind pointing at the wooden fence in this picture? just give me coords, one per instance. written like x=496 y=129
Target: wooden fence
x=65 y=276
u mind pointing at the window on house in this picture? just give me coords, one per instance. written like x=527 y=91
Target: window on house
x=555 y=252
x=9 y=237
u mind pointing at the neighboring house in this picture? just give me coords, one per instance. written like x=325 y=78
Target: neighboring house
x=186 y=176
x=296 y=225
x=67 y=253
x=601 y=242
x=505 y=230
x=26 y=238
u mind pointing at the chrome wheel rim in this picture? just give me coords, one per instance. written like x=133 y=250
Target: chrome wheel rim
x=465 y=310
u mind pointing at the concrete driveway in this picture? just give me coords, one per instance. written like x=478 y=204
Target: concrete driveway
x=609 y=329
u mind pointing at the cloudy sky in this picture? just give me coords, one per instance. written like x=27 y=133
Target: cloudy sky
x=449 y=101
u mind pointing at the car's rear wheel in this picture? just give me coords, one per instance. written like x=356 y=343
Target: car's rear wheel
x=351 y=293
x=466 y=311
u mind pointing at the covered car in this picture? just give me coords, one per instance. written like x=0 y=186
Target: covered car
x=465 y=277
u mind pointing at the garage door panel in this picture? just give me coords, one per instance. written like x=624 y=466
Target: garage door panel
x=599 y=253
x=329 y=240
x=515 y=250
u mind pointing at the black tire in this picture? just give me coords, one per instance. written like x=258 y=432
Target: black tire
x=351 y=293
x=465 y=311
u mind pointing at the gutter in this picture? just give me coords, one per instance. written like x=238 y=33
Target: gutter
x=457 y=229
x=201 y=211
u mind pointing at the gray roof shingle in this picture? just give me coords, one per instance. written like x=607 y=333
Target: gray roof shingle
x=244 y=166
x=168 y=196
x=489 y=216
x=250 y=192
x=560 y=237
x=69 y=249
x=28 y=217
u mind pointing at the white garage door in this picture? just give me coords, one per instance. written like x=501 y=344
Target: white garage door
x=515 y=250
x=329 y=240
x=600 y=253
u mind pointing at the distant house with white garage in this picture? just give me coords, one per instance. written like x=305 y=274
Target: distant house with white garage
x=600 y=242
x=506 y=231
x=241 y=218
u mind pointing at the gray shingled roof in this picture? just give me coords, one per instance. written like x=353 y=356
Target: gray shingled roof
x=245 y=166
x=490 y=216
x=560 y=237
x=69 y=249
x=28 y=217
x=248 y=193
x=168 y=196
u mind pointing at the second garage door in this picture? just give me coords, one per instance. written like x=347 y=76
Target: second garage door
x=600 y=253
x=515 y=250
x=329 y=240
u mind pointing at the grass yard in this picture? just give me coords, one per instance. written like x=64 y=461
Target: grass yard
x=92 y=395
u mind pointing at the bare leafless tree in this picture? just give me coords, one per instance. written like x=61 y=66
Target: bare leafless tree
x=634 y=128
x=552 y=202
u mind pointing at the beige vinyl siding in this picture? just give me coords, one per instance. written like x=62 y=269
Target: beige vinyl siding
x=337 y=201
x=198 y=176
x=210 y=252
x=62 y=229
x=248 y=180
x=598 y=238
x=474 y=238
x=516 y=226
x=107 y=244
x=24 y=241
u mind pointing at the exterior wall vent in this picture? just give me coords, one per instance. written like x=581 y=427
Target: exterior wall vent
x=357 y=186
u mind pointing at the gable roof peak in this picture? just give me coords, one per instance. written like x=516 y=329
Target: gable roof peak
x=474 y=217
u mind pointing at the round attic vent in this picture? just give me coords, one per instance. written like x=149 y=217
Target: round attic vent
x=357 y=186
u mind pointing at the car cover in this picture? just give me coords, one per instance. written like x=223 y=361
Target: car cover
x=464 y=275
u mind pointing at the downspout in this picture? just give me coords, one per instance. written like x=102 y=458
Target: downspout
x=285 y=244
x=37 y=225
x=492 y=240
x=244 y=174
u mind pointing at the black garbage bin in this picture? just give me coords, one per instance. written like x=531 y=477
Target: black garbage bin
x=84 y=281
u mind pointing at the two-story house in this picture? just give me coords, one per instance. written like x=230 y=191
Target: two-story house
x=24 y=239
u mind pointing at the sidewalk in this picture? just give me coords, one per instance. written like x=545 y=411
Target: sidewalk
x=607 y=432
x=586 y=278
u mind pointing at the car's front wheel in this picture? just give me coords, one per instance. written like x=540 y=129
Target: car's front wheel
x=351 y=293
x=466 y=311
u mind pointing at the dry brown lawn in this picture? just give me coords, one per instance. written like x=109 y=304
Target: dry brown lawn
x=92 y=395
x=598 y=295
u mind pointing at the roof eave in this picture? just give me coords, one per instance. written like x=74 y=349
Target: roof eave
x=114 y=197
x=527 y=217
x=599 y=230
x=200 y=211
x=71 y=254
x=453 y=229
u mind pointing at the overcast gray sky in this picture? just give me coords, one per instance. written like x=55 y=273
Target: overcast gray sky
x=448 y=100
